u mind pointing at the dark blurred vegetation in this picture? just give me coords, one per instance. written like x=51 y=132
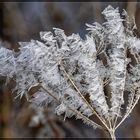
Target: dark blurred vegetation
x=24 y=21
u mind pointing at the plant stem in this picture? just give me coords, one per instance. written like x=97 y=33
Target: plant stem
x=112 y=134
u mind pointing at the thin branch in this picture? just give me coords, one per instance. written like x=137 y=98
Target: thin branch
x=106 y=82
x=101 y=48
x=87 y=119
x=128 y=113
x=132 y=100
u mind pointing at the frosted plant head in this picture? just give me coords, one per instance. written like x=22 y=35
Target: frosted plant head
x=81 y=77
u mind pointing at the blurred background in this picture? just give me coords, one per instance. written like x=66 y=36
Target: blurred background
x=22 y=22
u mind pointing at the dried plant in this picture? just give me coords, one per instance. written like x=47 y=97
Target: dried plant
x=98 y=76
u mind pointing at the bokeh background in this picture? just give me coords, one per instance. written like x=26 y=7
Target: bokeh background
x=23 y=22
